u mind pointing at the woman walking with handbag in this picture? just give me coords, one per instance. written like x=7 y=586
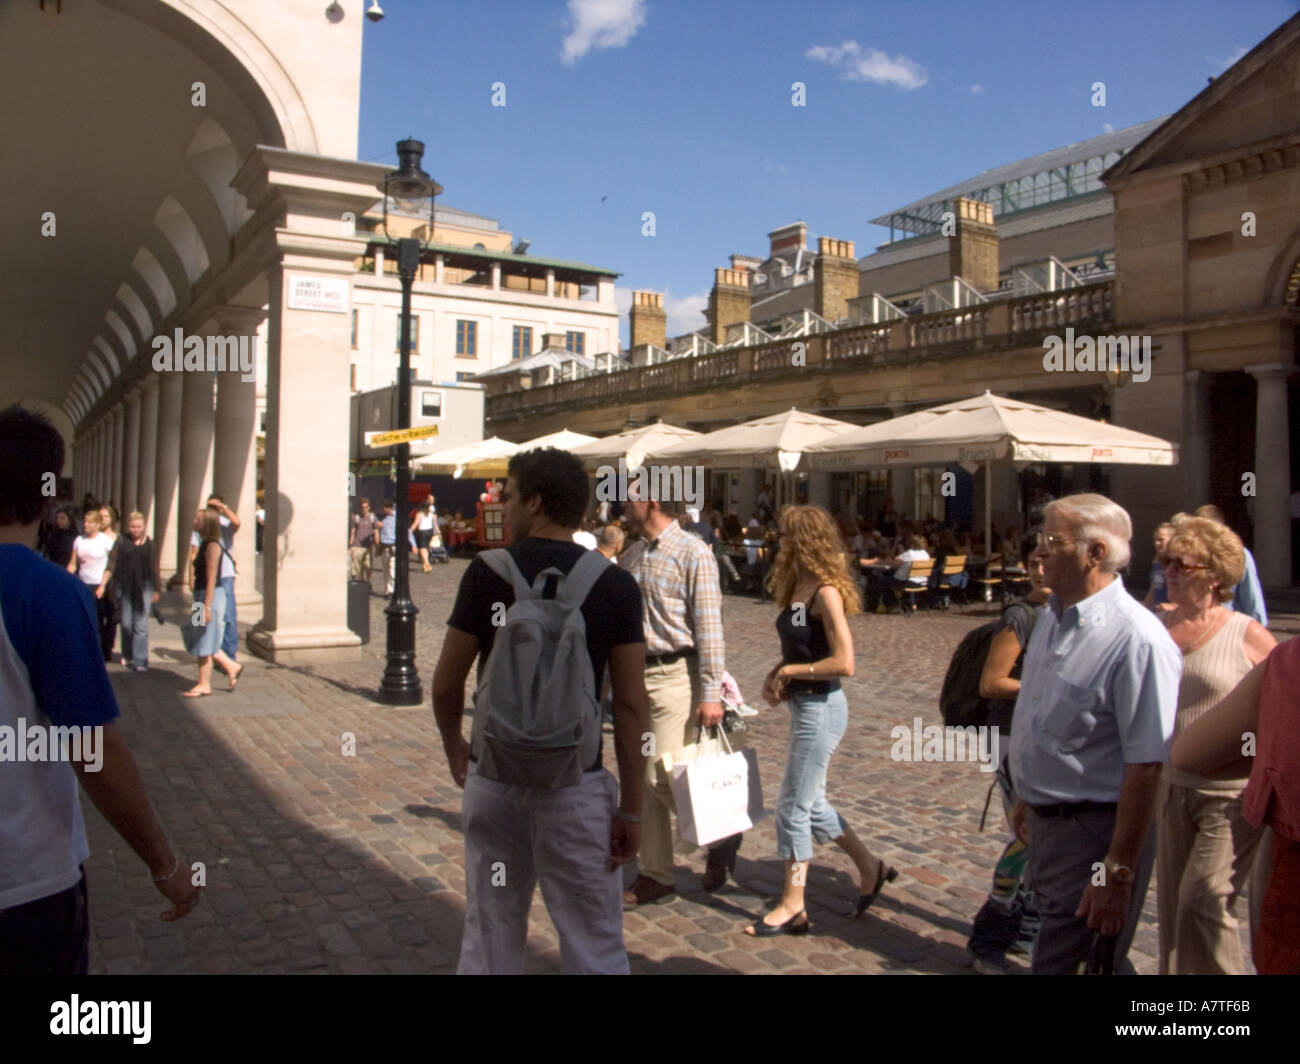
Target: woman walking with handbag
x=811 y=581
x=424 y=524
x=208 y=591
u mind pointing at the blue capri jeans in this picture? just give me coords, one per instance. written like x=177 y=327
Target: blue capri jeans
x=817 y=724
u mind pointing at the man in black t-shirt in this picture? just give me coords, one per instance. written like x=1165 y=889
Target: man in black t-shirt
x=572 y=839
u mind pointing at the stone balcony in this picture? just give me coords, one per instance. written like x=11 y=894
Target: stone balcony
x=989 y=328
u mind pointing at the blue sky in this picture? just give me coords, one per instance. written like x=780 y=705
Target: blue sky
x=684 y=108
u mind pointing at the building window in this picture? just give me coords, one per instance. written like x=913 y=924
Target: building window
x=467 y=339
x=522 y=345
x=575 y=342
x=463 y=375
x=354 y=328
x=415 y=332
x=353 y=367
x=431 y=404
x=263 y=422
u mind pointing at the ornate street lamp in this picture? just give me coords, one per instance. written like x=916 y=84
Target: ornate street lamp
x=407 y=188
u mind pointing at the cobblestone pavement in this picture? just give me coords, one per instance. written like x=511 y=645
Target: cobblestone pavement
x=322 y=863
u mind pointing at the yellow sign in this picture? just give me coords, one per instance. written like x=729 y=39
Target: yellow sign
x=388 y=439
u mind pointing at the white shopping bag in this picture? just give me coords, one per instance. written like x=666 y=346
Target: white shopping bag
x=716 y=796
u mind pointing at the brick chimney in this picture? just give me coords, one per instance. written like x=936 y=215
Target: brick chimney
x=728 y=302
x=973 y=251
x=649 y=320
x=788 y=238
x=835 y=278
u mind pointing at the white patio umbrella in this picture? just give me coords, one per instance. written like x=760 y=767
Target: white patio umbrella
x=988 y=428
x=777 y=440
x=564 y=440
x=631 y=445
x=486 y=458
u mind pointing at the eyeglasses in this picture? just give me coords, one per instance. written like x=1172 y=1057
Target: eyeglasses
x=1177 y=565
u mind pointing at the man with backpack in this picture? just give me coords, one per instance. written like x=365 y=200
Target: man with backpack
x=980 y=690
x=544 y=618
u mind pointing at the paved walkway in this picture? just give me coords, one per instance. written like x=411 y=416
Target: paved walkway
x=321 y=862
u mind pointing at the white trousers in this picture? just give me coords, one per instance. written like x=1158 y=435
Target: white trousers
x=516 y=837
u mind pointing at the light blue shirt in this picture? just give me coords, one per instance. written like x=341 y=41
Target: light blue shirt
x=1248 y=598
x=388 y=530
x=1098 y=692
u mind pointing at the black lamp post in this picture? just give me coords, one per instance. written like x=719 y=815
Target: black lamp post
x=408 y=187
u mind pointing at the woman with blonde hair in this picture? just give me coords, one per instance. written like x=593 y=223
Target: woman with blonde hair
x=1204 y=845
x=812 y=583
x=209 y=592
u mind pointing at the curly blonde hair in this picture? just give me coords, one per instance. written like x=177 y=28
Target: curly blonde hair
x=810 y=537
x=1212 y=544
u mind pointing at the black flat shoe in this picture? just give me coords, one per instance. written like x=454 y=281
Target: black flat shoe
x=761 y=930
x=865 y=900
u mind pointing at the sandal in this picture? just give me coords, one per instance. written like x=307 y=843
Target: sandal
x=234 y=676
x=759 y=929
x=194 y=692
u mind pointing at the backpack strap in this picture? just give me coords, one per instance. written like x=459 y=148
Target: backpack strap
x=582 y=578
x=502 y=562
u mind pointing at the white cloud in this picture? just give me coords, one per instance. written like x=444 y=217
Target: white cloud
x=856 y=63
x=685 y=313
x=978 y=90
x=1220 y=65
x=601 y=24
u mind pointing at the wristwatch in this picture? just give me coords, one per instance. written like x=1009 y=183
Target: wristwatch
x=1118 y=872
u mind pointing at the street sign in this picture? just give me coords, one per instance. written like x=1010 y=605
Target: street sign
x=388 y=439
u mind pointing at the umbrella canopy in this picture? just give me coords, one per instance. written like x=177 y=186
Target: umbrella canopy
x=563 y=440
x=989 y=427
x=778 y=440
x=486 y=458
x=632 y=445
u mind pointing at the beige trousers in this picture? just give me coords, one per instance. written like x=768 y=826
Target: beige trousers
x=1205 y=852
x=675 y=692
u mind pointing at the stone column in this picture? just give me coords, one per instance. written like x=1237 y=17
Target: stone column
x=195 y=475
x=304 y=560
x=171 y=530
x=1195 y=456
x=147 y=466
x=1272 y=474
x=234 y=452
x=101 y=459
x=305 y=568
x=131 y=456
x=118 y=447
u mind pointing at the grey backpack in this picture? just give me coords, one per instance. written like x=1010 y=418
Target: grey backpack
x=537 y=713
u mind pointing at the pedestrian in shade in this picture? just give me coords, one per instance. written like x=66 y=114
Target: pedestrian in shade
x=209 y=592
x=136 y=574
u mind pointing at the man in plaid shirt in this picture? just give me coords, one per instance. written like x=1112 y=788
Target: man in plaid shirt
x=682 y=620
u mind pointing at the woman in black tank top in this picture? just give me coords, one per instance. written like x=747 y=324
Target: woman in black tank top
x=812 y=582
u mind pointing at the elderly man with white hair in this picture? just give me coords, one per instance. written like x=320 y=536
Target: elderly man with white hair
x=1093 y=725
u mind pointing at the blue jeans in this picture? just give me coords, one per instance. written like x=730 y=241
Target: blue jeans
x=135 y=628
x=817 y=724
x=230 y=633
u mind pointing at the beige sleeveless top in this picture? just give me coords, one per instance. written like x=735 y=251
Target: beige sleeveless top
x=1209 y=672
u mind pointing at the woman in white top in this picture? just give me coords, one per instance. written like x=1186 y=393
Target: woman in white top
x=1205 y=848
x=423 y=525
x=90 y=564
